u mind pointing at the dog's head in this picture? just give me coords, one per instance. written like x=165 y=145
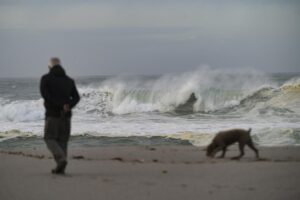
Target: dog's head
x=211 y=150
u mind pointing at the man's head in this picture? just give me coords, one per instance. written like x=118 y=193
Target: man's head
x=53 y=61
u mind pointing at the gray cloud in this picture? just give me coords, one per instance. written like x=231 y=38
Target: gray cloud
x=142 y=37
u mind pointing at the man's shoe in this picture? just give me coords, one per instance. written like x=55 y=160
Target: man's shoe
x=60 y=169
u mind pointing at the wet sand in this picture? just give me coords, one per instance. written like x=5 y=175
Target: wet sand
x=158 y=172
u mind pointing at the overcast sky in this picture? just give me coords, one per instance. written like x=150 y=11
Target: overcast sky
x=148 y=37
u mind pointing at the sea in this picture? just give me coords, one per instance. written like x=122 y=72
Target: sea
x=170 y=109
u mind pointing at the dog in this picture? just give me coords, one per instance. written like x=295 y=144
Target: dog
x=226 y=138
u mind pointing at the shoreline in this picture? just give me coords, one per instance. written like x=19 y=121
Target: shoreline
x=90 y=141
x=186 y=152
x=151 y=172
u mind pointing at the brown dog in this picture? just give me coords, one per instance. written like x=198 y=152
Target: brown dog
x=226 y=138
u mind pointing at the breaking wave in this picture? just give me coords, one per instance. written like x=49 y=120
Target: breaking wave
x=21 y=111
x=189 y=106
x=215 y=92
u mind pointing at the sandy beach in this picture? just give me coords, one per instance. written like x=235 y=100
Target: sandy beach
x=127 y=95
x=158 y=172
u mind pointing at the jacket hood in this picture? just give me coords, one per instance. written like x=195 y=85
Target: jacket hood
x=57 y=70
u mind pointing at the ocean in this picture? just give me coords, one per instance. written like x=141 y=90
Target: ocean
x=180 y=108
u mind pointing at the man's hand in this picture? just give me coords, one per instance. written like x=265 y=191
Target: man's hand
x=67 y=108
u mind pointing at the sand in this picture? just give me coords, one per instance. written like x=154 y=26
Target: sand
x=137 y=173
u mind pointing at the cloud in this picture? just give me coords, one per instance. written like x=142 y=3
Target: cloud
x=139 y=36
x=208 y=18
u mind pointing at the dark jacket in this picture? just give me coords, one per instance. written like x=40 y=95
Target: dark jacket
x=58 y=89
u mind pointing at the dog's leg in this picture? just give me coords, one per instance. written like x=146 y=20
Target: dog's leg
x=251 y=146
x=223 y=152
x=241 y=147
x=219 y=148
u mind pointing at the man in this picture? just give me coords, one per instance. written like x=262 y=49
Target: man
x=60 y=96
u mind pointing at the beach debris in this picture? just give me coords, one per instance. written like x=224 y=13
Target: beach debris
x=35 y=156
x=138 y=160
x=262 y=159
x=155 y=160
x=150 y=148
x=23 y=154
x=118 y=159
x=80 y=157
x=164 y=171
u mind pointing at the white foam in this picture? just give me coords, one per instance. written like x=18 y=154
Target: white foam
x=22 y=111
x=293 y=82
x=214 y=89
x=125 y=106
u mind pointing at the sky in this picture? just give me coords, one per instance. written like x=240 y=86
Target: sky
x=112 y=37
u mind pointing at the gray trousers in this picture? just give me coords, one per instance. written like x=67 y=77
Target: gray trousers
x=56 y=136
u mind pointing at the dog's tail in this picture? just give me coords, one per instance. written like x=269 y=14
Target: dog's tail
x=249 y=131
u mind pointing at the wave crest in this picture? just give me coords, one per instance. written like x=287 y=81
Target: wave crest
x=213 y=89
x=21 y=111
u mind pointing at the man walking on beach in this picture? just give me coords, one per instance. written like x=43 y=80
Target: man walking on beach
x=60 y=96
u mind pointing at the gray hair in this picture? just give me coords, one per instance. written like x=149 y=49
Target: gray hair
x=54 y=61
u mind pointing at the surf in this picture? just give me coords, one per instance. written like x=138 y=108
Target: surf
x=189 y=106
x=213 y=91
